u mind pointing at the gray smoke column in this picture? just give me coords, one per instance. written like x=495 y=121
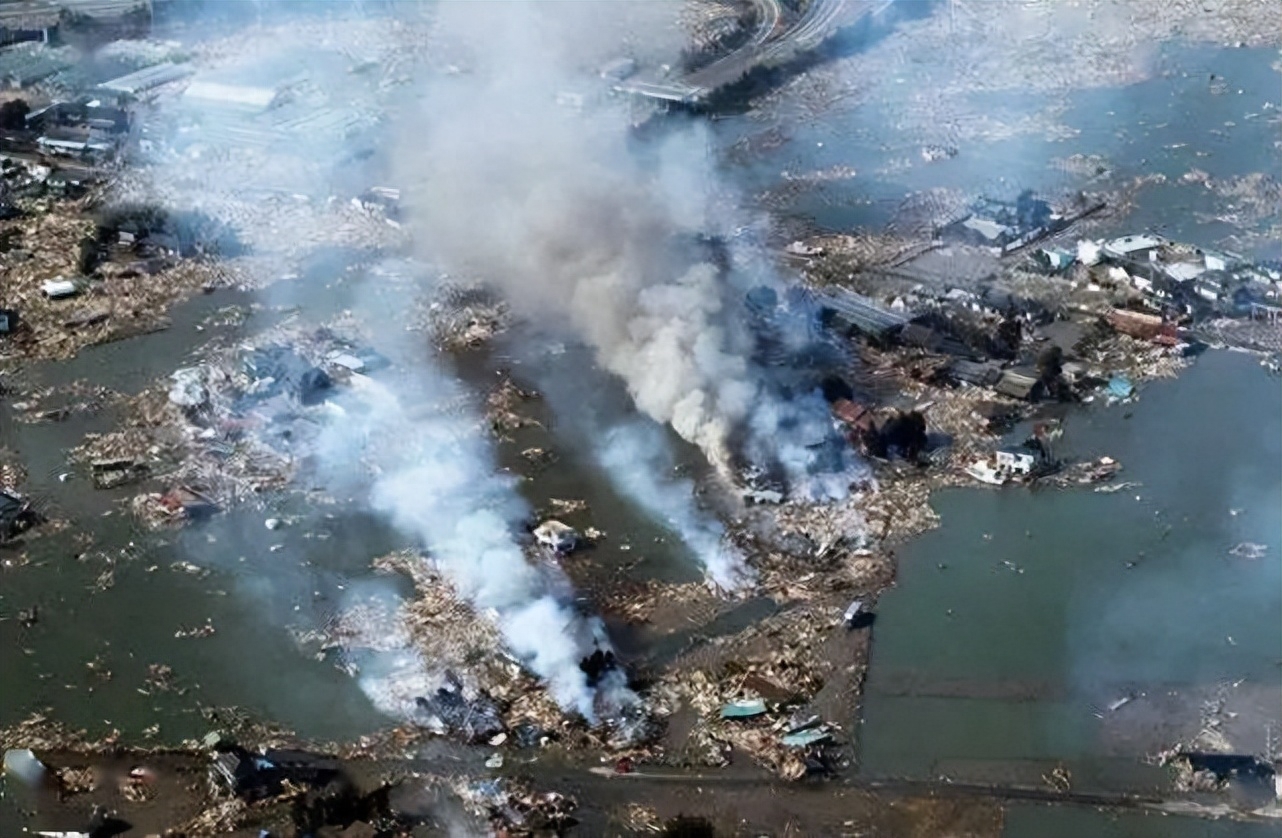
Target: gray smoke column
x=436 y=481
x=549 y=203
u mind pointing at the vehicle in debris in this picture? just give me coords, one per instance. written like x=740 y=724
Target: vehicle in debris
x=556 y=536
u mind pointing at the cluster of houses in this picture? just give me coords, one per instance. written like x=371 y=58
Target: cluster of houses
x=1177 y=279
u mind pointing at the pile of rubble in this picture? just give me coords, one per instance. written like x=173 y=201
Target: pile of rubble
x=456 y=317
x=12 y=472
x=840 y=259
x=59 y=310
x=39 y=732
x=464 y=663
x=1118 y=354
x=229 y=429
x=54 y=404
x=514 y=809
x=753 y=692
x=1257 y=335
x=502 y=408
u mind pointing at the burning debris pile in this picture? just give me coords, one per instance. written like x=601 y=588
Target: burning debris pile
x=590 y=247
x=460 y=653
x=227 y=430
x=438 y=486
x=456 y=317
x=502 y=408
x=513 y=809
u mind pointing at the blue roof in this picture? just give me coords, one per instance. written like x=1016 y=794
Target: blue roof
x=802 y=738
x=1121 y=386
x=743 y=709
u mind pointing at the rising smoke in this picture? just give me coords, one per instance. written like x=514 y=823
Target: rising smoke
x=551 y=204
x=554 y=206
x=436 y=481
x=634 y=456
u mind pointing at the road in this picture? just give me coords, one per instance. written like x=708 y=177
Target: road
x=821 y=19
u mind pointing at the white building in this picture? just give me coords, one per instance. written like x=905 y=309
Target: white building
x=1142 y=247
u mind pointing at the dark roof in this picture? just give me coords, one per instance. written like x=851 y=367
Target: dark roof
x=915 y=334
x=863 y=313
x=985 y=374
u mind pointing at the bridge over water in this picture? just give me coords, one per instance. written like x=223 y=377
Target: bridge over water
x=768 y=44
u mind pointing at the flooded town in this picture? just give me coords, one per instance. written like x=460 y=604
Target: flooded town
x=698 y=418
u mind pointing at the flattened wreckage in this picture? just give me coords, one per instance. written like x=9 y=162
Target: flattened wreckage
x=448 y=711
x=16 y=515
x=256 y=776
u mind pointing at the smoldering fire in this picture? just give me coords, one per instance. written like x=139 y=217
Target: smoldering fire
x=553 y=207
x=436 y=481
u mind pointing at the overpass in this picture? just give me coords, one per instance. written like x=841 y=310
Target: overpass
x=766 y=45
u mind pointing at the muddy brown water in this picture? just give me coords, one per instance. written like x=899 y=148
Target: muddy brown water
x=1169 y=124
x=1027 y=613
x=998 y=690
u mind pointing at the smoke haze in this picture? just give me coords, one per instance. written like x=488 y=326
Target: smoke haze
x=435 y=480
x=634 y=457
x=549 y=203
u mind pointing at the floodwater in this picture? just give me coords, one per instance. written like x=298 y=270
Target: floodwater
x=257 y=585
x=1004 y=686
x=1027 y=821
x=250 y=659
x=1027 y=613
x=1169 y=124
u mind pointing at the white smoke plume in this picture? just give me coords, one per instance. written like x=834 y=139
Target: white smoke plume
x=436 y=481
x=552 y=205
x=633 y=456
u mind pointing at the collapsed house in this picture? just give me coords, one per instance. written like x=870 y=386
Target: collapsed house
x=16 y=515
x=448 y=710
x=881 y=433
x=256 y=776
x=1005 y=226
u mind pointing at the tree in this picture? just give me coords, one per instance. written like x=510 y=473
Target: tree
x=1050 y=364
x=13 y=114
x=1010 y=333
x=907 y=433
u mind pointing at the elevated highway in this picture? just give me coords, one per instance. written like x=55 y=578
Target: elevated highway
x=768 y=44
